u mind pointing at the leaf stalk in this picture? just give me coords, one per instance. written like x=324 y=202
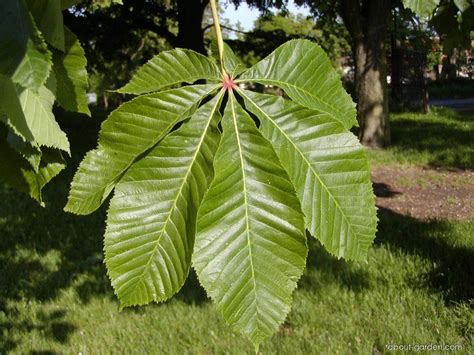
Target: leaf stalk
x=220 y=41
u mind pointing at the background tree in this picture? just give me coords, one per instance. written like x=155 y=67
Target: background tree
x=367 y=23
x=273 y=29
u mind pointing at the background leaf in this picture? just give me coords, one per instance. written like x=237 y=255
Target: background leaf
x=329 y=169
x=49 y=19
x=19 y=173
x=250 y=247
x=37 y=107
x=152 y=216
x=422 y=8
x=303 y=70
x=71 y=75
x=24 y=56
x=11 y=110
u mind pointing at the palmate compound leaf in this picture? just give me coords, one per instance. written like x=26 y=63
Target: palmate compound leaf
x=303 y=70
x=161 y=192
x=250 y=245
x=328 y=168
x=170 y=68
x=130 y=130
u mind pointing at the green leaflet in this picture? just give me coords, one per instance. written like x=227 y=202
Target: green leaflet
x=162 y=191
x=37 y=107
x=463 y=5
x=19 y=173
x=303 y=70
x=71 y=75
x=423 y=8
x=250 y=244
x=232 y=64
x=26 y=150
x=133 y=128
x=24 y=56
x=29 y=113
x=170 y=68
x=11 y=111
x=329 y=169
x=49 y=19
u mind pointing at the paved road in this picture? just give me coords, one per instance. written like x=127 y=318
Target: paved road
x=461 y=105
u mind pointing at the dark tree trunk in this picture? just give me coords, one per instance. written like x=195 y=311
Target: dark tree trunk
x=190 y=33
x=367 y=23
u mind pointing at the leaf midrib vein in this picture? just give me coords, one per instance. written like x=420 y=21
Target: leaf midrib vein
x=185 y=179
x=307 y=162
x=239 y=145
x=283 y=83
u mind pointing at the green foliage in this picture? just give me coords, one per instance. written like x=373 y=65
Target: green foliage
x=452 y=19
x=41 y=61
x=239 y=189
x=271 y=30
x=423 y=8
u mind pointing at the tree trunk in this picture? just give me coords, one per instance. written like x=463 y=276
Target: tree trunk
x=190 y=33
x=367 y=24
x=372 y=93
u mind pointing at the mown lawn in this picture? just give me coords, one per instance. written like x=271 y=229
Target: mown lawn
x=416 y=288
x=442 y=138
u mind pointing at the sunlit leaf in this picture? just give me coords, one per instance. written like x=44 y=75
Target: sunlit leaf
x=171 y=68
x=250 y=247
x=329 y=169
x=162 y=192
x=304 y=72
x=423 y=8
x=129 y=131
x=24 y=56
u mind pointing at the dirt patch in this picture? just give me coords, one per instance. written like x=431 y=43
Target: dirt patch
x=425 y=193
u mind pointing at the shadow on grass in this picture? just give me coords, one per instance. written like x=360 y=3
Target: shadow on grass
x=447 y=141
x=450 y=274
x=453 y=265
x=53 y=325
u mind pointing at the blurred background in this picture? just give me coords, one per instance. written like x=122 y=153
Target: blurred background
x=417 y=287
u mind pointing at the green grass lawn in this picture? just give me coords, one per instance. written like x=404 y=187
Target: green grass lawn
x=416 y=288
x=442 y=138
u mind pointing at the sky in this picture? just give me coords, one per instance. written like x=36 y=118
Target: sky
x=246 y=16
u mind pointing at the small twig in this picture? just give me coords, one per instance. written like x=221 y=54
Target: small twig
x=226 y=28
